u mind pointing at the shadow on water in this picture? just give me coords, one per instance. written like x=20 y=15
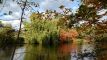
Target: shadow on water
x=101 y=51
x=71 y=51
x=6 y=51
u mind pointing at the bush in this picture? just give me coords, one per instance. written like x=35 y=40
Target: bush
x=7 y=35
x=51 y=38
x=40 y=31
x=20 y=40
x=69 y=35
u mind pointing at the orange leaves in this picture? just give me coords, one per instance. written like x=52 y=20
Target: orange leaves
x=68 y=35
x=73 y=33
x=63 y=35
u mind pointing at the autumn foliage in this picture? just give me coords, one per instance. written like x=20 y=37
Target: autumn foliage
x=70 y=34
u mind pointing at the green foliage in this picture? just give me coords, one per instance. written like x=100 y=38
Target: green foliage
x=20 y=40
x=39 y=29
x=7 y=35
x=67 y=21
x=61 y=22
x=52 y=38
x=86 y=12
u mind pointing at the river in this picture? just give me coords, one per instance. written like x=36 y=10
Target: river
x=71 y=51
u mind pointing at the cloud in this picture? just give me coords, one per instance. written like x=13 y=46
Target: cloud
x=101 y=12
x=7 y=17
x=15 y=23
x=103 y=18
x=44 y=5
x=10 y=6
x=54 y=4
x=16 y=14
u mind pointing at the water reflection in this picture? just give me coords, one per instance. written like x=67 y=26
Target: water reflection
x=101 y=51
x=83 y=52
x=19 y=53
x=72 y=51
x=5 y=52
x=63 y=52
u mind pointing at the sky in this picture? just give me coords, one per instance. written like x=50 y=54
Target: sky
x=44 y=5
x=14 y=18
x=9 y=5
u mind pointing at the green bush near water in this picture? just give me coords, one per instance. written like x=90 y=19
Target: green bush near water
x=41 y=31
x=52 y=38
x=7 y=35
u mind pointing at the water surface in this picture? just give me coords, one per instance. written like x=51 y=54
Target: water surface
x=71 y=51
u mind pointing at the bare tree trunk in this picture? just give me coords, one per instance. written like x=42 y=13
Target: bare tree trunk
x=21 y=21
x=24 y=6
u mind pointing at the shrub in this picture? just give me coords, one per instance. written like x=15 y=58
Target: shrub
x=20 y=40
x=52 y=38
x=7 y=35
x=68 y=35
x=39 y=30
